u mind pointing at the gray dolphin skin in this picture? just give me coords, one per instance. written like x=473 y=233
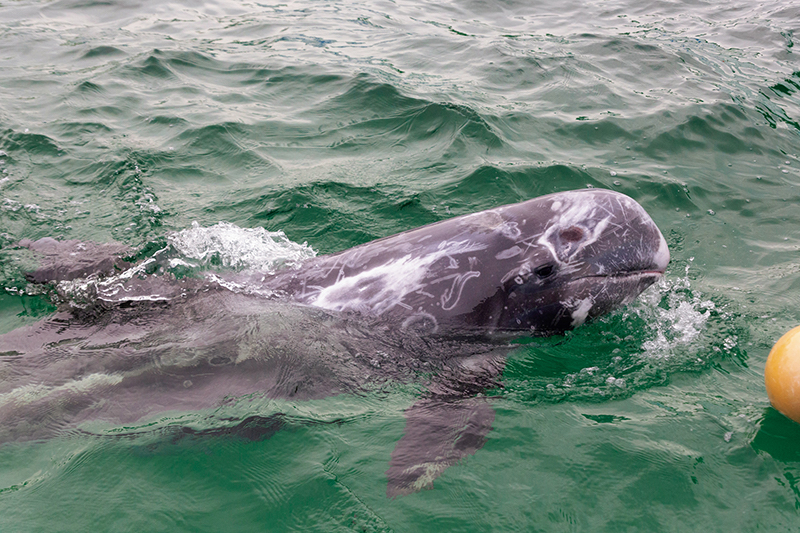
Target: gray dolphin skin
x=544 y=266
x=434 y=305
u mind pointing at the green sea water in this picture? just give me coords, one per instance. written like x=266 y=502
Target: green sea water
x=342 y=122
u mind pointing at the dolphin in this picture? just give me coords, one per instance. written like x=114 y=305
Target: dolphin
x=543 y=266
x=435 y=305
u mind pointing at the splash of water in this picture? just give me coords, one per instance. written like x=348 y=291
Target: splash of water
x=672 y=327
x=224 y=255
x=240 y=248
x=675 y=316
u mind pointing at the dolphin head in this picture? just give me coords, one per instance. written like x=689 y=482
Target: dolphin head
x=579 y=254
x=544 y=265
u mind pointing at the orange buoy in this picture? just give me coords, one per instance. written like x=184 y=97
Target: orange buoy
x=782 y=375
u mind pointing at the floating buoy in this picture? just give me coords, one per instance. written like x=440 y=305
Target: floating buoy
x=782 y=375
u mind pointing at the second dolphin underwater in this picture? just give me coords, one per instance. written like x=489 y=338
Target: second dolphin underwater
x=430 y=304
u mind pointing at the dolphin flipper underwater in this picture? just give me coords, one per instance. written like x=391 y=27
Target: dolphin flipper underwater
x=431 y=305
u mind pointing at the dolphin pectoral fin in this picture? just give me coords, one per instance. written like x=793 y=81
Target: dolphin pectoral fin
x=439 y=433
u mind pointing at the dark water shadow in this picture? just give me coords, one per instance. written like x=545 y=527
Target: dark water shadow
x=779 y=437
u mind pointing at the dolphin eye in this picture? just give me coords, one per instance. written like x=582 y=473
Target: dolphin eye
x=544 y=271
x=571 y=234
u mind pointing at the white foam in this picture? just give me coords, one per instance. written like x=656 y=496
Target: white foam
x=240 y=248
x=677 y=325
x=196 y=248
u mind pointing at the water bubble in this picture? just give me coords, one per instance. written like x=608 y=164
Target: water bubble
x=613 y=173
x=617 y=183
x=785 y=171
x=711 y=212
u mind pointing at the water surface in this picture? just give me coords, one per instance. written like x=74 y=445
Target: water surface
x=341 y=122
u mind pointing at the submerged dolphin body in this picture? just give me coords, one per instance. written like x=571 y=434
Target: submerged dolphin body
x=426 y=302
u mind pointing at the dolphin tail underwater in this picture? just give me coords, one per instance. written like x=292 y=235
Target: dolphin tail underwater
x=435 y=304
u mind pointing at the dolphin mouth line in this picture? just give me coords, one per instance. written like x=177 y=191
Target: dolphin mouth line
x=629 y=274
